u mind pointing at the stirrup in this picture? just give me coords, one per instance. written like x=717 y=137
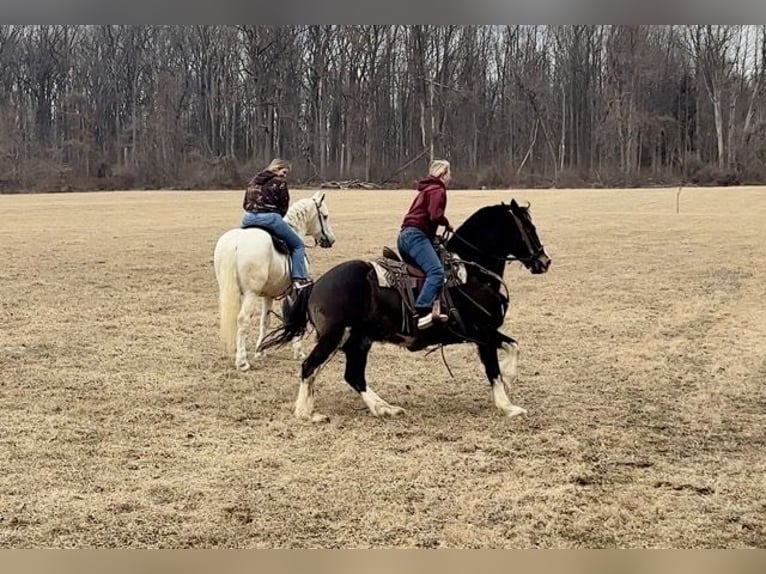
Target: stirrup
x=299 y=284
x=437 y=314
x=425 y=321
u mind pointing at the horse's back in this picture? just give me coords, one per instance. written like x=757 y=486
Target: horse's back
x=347 y=295
x=252 y=253
x=247 y=243
x=349 y=274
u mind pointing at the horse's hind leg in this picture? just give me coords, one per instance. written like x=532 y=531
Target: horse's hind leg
x=501 y=374
x=319 y=355
x=356 y=349
x=264 y=322
x=243 y=323
x=298 y=352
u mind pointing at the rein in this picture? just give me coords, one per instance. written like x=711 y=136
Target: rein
x=323 y=232
x=480 y=252
x=495 y=276
x=525 y=238
x=323 y=237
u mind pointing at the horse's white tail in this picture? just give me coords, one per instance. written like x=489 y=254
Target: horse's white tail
x=229 y=295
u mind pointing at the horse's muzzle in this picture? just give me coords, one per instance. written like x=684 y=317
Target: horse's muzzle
x=325 y=242
x=540 y=264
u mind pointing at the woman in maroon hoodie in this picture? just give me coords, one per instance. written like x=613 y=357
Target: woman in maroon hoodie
x=416 y=237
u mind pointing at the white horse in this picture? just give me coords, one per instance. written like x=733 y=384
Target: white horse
x=247 y=266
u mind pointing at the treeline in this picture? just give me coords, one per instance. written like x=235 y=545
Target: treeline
x=104 y=107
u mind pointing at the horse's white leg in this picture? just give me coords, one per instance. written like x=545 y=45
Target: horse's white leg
x=357 y=347
x=298 y=352
x=304 y=404
x=264 y=323
x=508 y=359
x=502 y=401
x=316 y=360
x=243 y=323
x=378 y=407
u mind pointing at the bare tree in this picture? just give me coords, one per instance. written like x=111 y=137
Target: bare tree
x=197 y=105
x=710 y=47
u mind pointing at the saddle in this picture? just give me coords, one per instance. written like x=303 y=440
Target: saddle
x=279 y=245
x=392 y=272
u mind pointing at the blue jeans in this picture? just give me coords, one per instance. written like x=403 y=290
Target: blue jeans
x=275 y=223
x=416 y=249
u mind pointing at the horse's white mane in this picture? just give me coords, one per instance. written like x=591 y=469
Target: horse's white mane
x=299 y=214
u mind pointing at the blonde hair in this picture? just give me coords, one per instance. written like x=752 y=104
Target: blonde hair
x=439 y=168
x=277 y=164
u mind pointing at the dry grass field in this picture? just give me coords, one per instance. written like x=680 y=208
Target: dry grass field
x=643 y=368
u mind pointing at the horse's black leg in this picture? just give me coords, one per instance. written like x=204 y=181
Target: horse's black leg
x=501 y=373
x=326 y=344
x=357 y=349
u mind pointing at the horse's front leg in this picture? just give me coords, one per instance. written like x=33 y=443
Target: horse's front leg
x=264 y=323
x=500 y=364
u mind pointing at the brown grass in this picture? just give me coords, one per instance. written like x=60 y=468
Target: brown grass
x=642 y=367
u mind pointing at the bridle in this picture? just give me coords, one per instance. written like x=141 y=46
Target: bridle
x=324 y=239
x=533 y=253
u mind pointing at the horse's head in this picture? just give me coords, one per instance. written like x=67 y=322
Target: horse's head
x=525 y=245
x=498 y=233
x=319 y=224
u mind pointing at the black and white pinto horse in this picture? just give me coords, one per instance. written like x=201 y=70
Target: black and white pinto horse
x=248 y=266
x=350 y=310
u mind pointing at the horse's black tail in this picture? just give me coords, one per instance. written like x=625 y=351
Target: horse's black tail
x=295 y=319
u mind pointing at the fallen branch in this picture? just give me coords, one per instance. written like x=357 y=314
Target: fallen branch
x=405 y=166
x=349 y=184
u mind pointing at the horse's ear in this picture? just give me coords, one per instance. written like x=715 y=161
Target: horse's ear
x=320 y=197
x=514 y=205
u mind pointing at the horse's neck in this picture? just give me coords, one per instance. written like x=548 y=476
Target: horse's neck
x=496 y=267
x=297 y=217
x=477 y=253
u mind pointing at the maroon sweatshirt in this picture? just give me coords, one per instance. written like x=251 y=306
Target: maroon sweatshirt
x=427 y=209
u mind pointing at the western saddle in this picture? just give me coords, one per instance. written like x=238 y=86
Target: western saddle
x=408 y=281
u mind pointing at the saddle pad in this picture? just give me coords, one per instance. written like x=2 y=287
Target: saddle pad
x=391 y=272
x=385 y=275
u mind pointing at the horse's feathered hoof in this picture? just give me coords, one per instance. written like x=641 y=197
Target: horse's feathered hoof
x=515 y=411
x=312 y=417
x=388 y=411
